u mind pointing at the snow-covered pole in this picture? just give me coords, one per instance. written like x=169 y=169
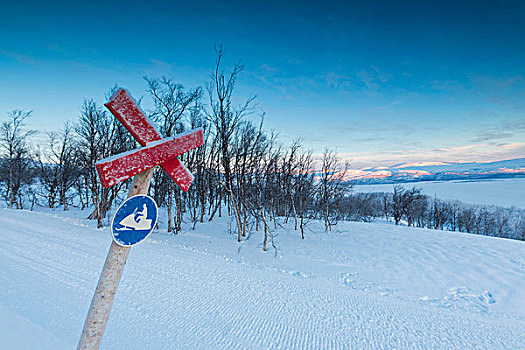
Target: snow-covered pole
x=109 y=280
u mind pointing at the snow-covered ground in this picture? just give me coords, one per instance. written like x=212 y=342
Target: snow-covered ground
x=504 y=192
x=366 y=286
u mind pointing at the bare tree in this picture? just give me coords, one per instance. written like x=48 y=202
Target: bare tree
x=454 y=210
x=289 y=169
x=414 y=205
x=467 y=218
x=171 y=102
x=226 y=117
x=331 y=187
x=440 y=214
x=397 y=203
x=92 y=129
x=199 y=159
x=16 y=157
x=304 y=189
x=59 y=169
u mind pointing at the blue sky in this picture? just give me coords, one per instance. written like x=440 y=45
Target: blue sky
x=384 y=82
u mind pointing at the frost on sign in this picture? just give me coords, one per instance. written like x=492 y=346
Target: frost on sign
x=134 y=220
x=115 y=169
x=157 y=151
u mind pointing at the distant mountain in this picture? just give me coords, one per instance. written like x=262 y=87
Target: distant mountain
x=432 y=171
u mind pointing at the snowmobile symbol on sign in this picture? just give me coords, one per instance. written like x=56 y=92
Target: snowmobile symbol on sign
x=134 y=220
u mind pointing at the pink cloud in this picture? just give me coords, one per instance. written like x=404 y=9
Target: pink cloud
x=486 y=152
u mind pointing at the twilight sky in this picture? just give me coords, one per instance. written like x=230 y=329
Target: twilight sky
x=384 y=82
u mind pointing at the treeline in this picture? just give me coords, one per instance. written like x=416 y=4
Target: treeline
x=410 y=206
x=241 y=169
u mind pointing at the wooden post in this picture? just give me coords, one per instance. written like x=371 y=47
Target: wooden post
x=102 y=301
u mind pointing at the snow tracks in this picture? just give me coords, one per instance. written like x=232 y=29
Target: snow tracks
x=176 y=297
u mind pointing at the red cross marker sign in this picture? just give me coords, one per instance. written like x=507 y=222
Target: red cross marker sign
x=156 y=150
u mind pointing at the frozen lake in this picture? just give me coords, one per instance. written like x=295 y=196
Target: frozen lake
x=502 y=192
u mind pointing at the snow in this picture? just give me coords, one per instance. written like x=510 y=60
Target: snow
x=28 y=335
x=124 y=107
x=366 y=286
x=439 y=171
x=117 y=168
x=505 y=192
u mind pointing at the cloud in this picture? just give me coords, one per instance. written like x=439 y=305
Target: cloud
x=514 y=125
x=483 y=152
x=365 y=77
x=490 y=84
x=268 y=68
x=503 y=91
x=57 y=48
x=292 y=60
x=159 y=65
x=489 y=136
x=496 y=130
x=372 y=77
x=445 y=85
x=371 y=139
x=19 y=58
x=336 y=80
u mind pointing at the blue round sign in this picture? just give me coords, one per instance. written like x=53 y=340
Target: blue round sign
x=134 y=220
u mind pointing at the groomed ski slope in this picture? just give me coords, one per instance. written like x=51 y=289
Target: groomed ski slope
x=366 y=286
